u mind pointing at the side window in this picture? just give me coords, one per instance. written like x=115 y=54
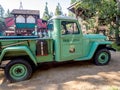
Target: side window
x=69 y=28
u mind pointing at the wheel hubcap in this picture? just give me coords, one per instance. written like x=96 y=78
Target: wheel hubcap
x=103 y=57
x=18 y=71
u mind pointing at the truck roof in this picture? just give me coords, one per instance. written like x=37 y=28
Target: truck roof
x=63 y=17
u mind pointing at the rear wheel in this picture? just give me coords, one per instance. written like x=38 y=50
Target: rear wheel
x=18 y=70
x=102 y=57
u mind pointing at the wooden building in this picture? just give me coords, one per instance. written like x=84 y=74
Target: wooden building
x=24 y=22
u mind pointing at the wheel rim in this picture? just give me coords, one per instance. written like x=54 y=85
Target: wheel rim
x=18 y=71
x=103 y=57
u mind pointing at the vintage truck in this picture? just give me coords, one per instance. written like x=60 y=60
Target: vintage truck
x=64 y=41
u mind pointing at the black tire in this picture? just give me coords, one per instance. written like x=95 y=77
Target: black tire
x=102 y=57
x=18 y=70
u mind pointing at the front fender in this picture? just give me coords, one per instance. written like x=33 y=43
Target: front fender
x=18 y=48
x=96 y=45
x=93 y=49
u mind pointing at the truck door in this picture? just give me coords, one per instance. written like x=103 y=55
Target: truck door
x=71 y=41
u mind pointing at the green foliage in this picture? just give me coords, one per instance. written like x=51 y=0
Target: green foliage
x=104 y=9
x=118 y=6
x=46 y=15
x=117 y=47
x=58 y=10
x=72 y=1
x=108 y=11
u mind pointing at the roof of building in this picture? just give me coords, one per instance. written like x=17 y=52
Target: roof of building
x=80 y=11
x=23 y=11
x=72 y=7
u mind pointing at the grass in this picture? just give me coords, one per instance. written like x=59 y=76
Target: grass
x=115 y=46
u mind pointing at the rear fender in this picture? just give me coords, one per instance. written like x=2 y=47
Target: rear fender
x=18 y=48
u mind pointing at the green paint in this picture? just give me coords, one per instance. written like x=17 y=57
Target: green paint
x=46 y=58
x=25 y=25
x=18 y=51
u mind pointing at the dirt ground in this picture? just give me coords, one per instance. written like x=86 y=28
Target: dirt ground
x=70 y=76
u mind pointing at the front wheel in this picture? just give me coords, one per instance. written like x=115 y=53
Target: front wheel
x=102 y=57
x=18 y=70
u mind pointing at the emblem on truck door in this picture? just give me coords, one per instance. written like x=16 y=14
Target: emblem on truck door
x=72 y=49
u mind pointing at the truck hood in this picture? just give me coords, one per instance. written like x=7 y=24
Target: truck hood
x=95 y=36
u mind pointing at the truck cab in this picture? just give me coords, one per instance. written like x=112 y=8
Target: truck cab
x=63 y=42
x=67 y=37
x=69 y=41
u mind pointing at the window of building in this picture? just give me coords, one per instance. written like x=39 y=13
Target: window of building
x=20 y=19
x=30 y=19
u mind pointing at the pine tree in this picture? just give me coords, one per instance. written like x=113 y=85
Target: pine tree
x=46 y=15
x=1 y=11
x=58 y=10
x=8 y=14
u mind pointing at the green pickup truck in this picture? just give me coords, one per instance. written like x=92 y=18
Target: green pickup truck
x=65 y=41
